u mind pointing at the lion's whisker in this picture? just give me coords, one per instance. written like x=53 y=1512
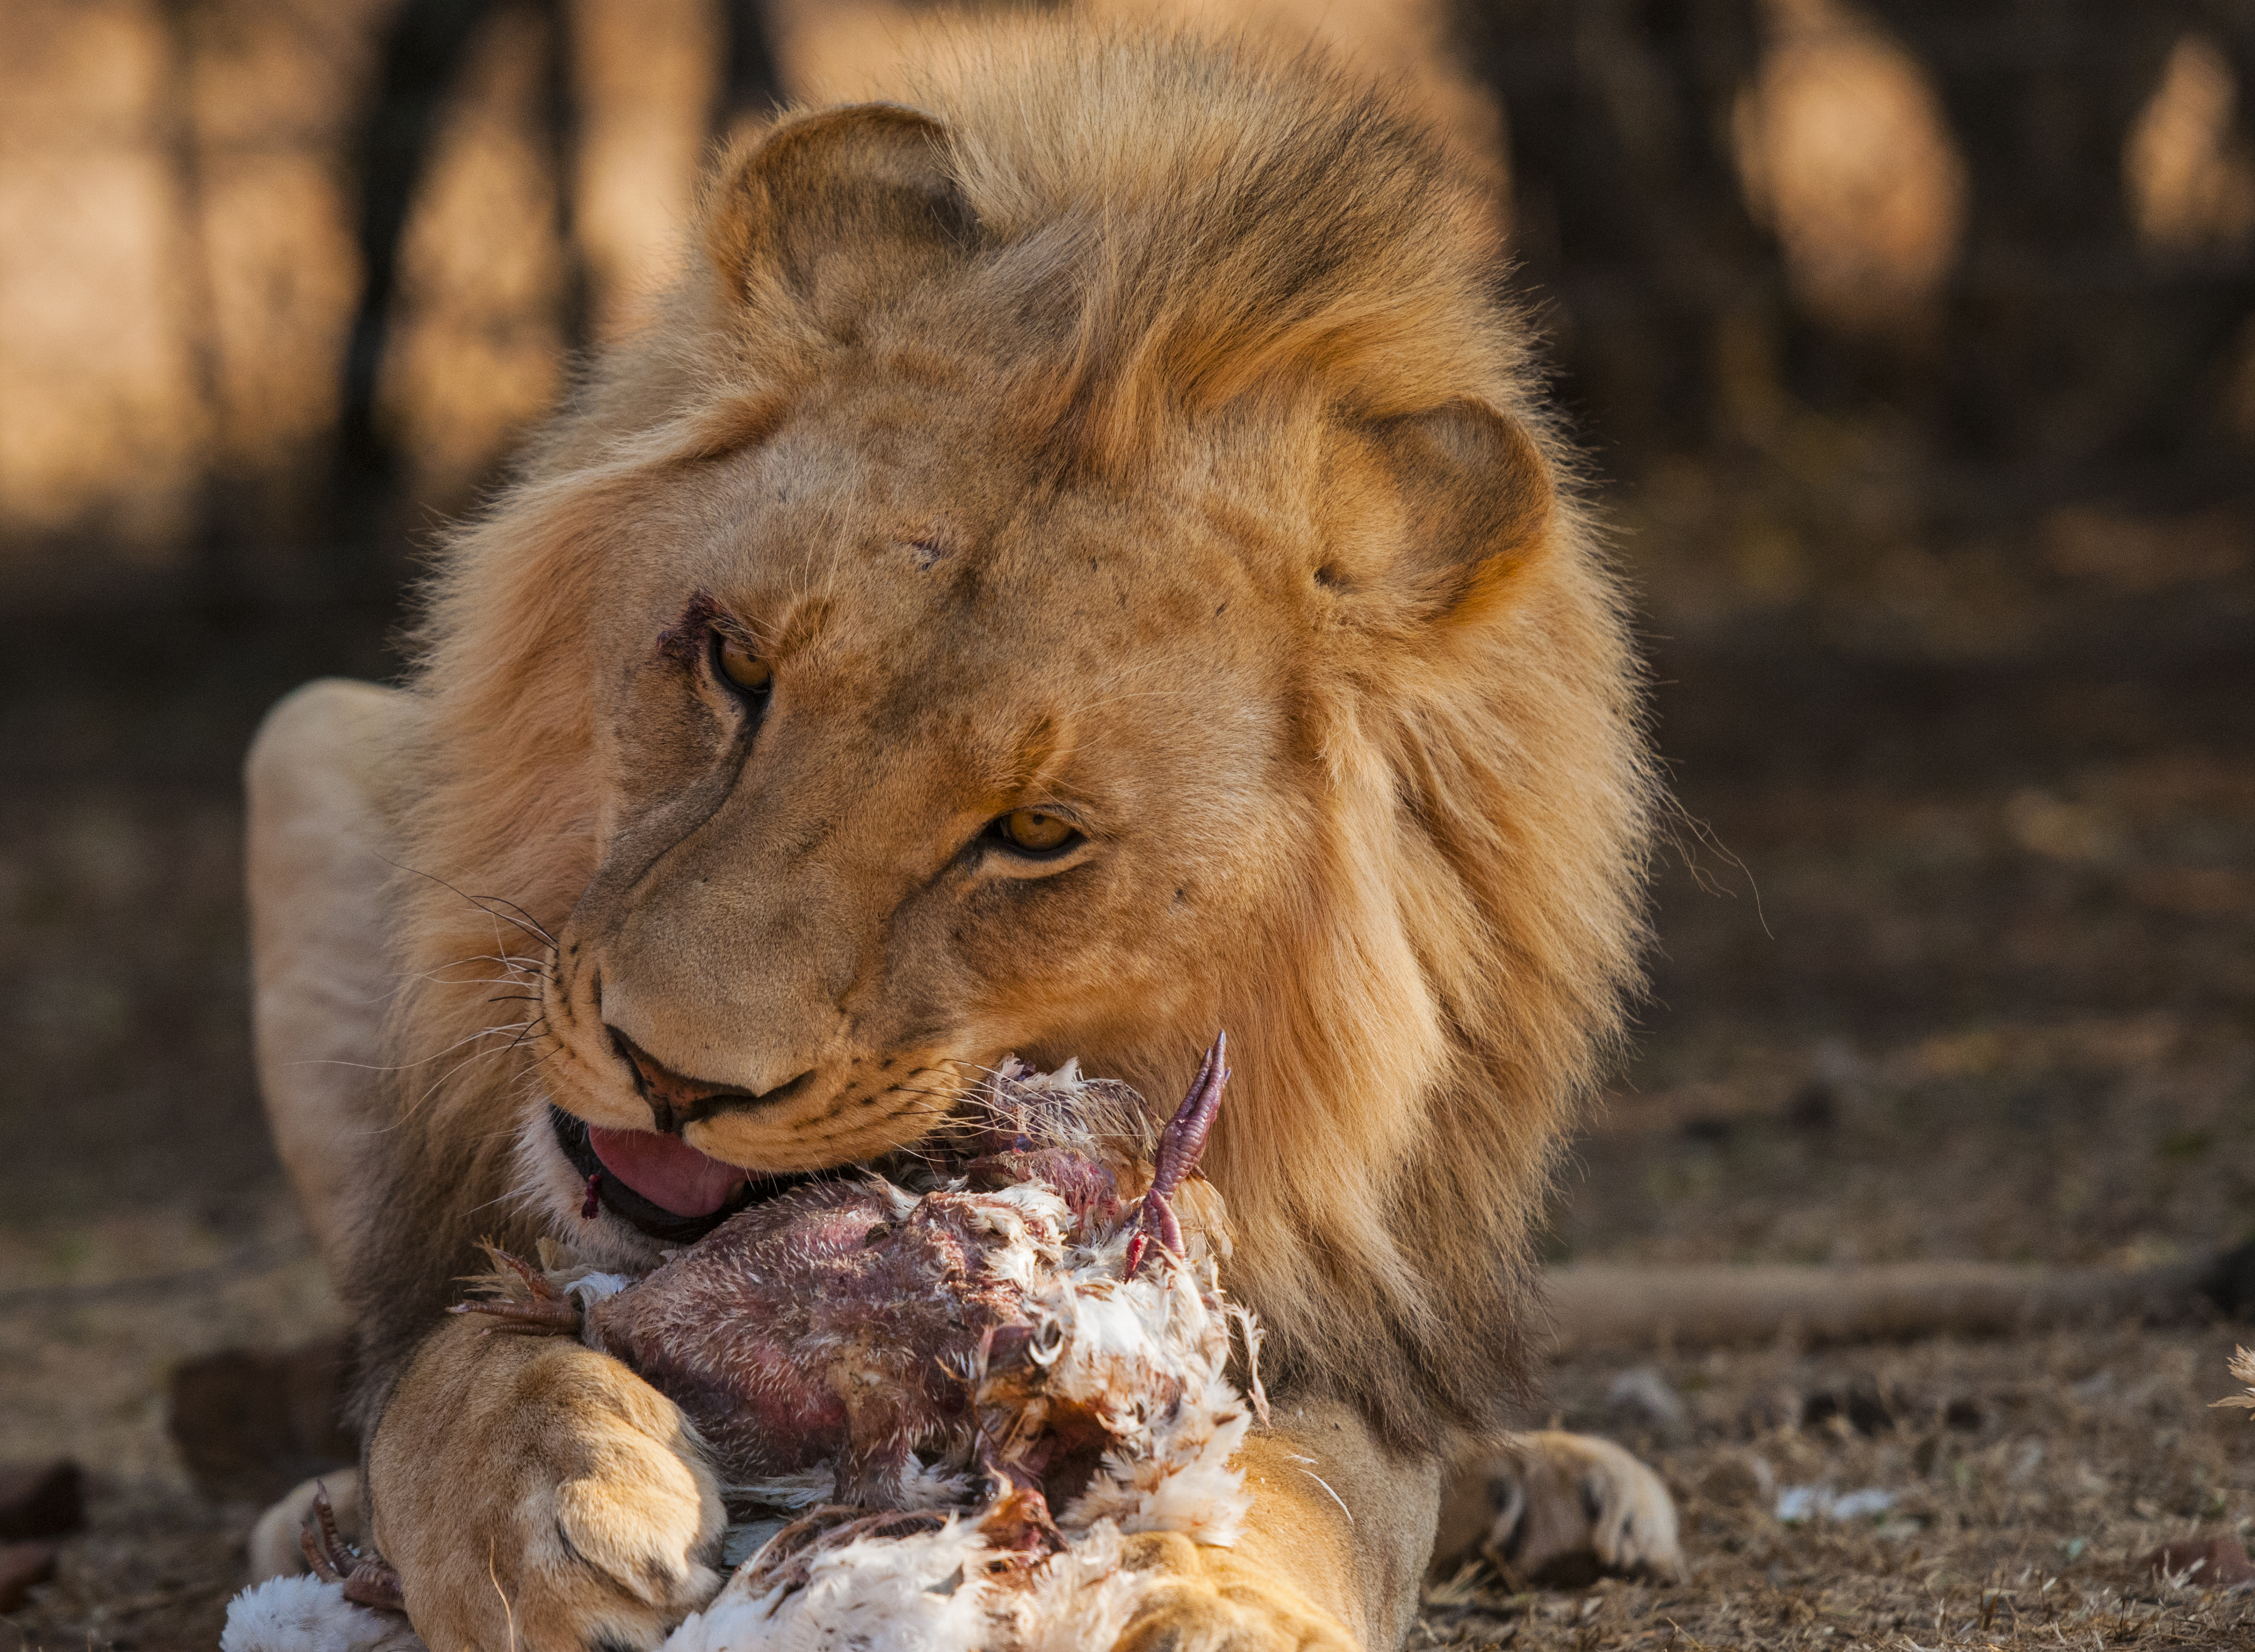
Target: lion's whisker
x=520 y=977
x=516 y=963
x=525 y=924
x=539 y=928
x=440 y=1082
x=425 y=1061
x=529 y=1032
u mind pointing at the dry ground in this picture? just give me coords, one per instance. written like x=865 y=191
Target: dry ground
x=2025 y=1480
x=1960 y=964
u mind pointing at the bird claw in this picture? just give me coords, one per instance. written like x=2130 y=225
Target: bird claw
x=1183 y=1139
x=1181 y=1144
x=549 y=1310
x=368 y=1580
x=1159 y=1215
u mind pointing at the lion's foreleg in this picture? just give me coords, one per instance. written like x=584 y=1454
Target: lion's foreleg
x=1553 y=1508
x=532 y=1493
x=320 y=849
x=1331 y=1558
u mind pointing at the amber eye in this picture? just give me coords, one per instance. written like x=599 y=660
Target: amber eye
x=1035 y=831
x=742 y=667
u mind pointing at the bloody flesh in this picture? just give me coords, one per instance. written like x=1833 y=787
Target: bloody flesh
x=850 y=1323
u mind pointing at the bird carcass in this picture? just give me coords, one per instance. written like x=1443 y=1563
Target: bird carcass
x=941 y=1391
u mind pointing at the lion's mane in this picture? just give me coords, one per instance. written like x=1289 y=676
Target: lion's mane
x=1163 y=230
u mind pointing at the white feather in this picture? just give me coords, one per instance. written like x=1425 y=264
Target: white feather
x=1148 y=1357
x=304 y=1614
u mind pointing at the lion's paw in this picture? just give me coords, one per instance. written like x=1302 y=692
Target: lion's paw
x=1561 y=1509
x=533 y=1495
x=1201 y=1600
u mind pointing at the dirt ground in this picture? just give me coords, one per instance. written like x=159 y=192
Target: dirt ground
x=1957 y=961
x=2022 y=1481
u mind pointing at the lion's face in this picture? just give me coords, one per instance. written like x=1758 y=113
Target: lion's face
x=1133 y=454
x=1011 y=766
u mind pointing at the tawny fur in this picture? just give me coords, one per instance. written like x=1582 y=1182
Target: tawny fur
x=1138 y=431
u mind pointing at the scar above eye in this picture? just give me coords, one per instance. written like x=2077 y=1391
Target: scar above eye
x=685 y=640
x=930 y=541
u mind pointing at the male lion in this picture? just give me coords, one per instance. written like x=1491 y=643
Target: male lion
x=1071 y=569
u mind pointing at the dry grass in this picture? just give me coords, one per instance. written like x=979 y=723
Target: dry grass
x=2030 y=1478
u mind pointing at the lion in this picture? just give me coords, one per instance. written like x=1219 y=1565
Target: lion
x=1077 y=563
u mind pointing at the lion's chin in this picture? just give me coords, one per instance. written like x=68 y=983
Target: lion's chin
x=659 y=1185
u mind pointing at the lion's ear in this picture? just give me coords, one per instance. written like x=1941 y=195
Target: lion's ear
x=1479 y=497
x=830 y=214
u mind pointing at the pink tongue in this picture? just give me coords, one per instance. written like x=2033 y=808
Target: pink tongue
x=666 y=1170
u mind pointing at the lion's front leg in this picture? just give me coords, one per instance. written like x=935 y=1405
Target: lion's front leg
x=533 y=1494
x=1558 y=1508
x=1329 y=1560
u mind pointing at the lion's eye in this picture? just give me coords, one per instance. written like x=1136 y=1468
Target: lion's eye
x=1035 y=830
x=740 y=666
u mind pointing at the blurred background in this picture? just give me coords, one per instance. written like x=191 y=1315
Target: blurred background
x=1913 y=342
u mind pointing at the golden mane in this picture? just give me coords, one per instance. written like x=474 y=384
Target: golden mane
x=1144 y=233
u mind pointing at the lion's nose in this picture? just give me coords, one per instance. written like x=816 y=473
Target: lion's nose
x=676 y=1099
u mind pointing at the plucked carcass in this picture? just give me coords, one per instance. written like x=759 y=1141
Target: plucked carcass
x=939 y=1393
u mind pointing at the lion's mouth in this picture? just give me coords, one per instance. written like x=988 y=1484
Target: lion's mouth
x=661 y=1185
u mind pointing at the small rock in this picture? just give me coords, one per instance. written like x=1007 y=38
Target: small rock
x=2228 y=1284
x=1736 y=1482
x=1836 y=1073
x=2096 y=1387
x=41 y=1500
x=1925 y=1454
x=1769 y=1411
x=1798 y=1504
x=1873 y=1500
x=1814 y=1108
x=22 y=1566
x=1862 y=1408
x=251 y=1423
x=2211 y=1563
x=1641 y=1396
